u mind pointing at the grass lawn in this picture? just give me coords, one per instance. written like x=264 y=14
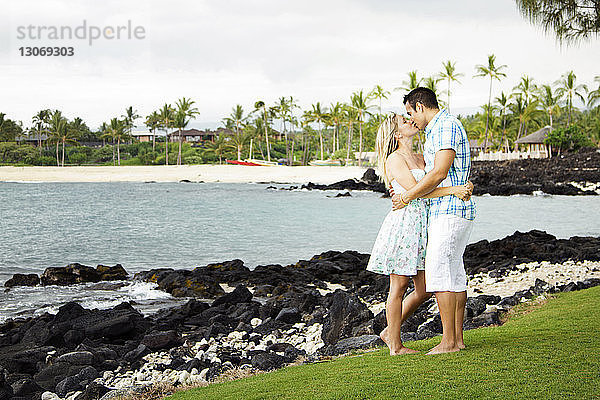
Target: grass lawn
x=550 y=351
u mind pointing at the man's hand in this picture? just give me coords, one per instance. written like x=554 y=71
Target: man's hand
x=397 y=203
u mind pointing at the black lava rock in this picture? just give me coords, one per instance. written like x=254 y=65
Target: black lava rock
x=162 y=340
x=289 y=315
x=345 y=313
x=240 y=294
x=266 y=361
x=23 y=280
x=354 y=343
x=93 y=391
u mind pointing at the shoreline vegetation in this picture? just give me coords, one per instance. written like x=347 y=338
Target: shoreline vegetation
x=239 y=322
x=284 y=132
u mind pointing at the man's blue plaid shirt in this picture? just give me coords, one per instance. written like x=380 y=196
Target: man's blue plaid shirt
x=445 y=131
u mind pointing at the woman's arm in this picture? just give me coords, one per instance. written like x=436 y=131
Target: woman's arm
x=399 y=171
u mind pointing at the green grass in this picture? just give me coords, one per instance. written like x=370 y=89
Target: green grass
x=543 y=352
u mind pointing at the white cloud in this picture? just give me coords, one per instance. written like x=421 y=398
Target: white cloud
x=222 y=53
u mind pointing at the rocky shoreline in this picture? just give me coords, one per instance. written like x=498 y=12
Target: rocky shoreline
x=574 y=174
x=258 y=320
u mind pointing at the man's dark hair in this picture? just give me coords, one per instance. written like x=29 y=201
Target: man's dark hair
x=422 y=95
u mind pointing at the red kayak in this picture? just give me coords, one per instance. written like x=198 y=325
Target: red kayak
x=251 y=164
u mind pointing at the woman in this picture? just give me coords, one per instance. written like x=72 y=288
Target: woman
x=399 y=250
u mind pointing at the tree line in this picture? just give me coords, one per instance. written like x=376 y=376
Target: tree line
x=283 y=131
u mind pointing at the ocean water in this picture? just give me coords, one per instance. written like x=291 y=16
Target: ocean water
x=185 y=225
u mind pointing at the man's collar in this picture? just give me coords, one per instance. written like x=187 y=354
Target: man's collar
x=434 y=120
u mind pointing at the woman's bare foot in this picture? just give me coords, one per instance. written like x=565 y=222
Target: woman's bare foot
x=384 y=336
x=461 y=345
x=403 y=350
x=441 y=349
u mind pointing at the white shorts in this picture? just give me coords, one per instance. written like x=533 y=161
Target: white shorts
x=447 y=238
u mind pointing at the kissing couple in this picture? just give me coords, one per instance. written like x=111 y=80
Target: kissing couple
x=425 y=235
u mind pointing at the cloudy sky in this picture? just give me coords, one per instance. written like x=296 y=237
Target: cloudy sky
x=224 y=52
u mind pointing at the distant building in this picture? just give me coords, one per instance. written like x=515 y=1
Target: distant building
x=193 y=136
x=142 y=136
x=277 y=135
x=476 y=147
x=32 y=139
x=536 y=148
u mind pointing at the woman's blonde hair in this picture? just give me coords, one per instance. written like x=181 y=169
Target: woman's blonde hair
x=385 y=144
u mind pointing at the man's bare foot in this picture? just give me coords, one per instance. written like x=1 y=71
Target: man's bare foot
x=441 y=349
x=461 y=345
x=403 y=350
x=384 y=336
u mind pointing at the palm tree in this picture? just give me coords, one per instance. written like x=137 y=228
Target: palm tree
x=260 y=105
x=62 y=133
x=107 y=134
x=307 y=133
x=431 y=83
x=129 y=118
x=74 y=130
x=118 y=131
x=350 y=117
x=292 y=105
x=336 y=115
x=549 y=101
x=413 y=82
x=283 y=112
x=328 y=123
x=319 y=116
x=183 y=114
x=493 y=72
x=526 y=87
x=359 y=103
x=594 y=95
x=256 y=129
x=502 y=101
x=237 y=120
x=153 y=122
x=526 y=114
x=166 y=115
x=494 y=122
x=450 y=75
x=58 y=130
x=78 y=126
x=570 y=20
x=103 y=133
x=218 y=147
x=40 y=123
x=567 y=86
x=378 y=93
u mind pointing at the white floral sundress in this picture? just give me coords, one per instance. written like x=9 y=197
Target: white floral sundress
x=402 y=239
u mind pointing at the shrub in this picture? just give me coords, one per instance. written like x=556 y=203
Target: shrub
x=569 y=138
x=78 y=158
x=45 y=161
x=13 y=153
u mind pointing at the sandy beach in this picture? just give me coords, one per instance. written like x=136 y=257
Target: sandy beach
x=194 y=173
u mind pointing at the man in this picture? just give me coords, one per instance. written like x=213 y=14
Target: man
x=447 y=163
